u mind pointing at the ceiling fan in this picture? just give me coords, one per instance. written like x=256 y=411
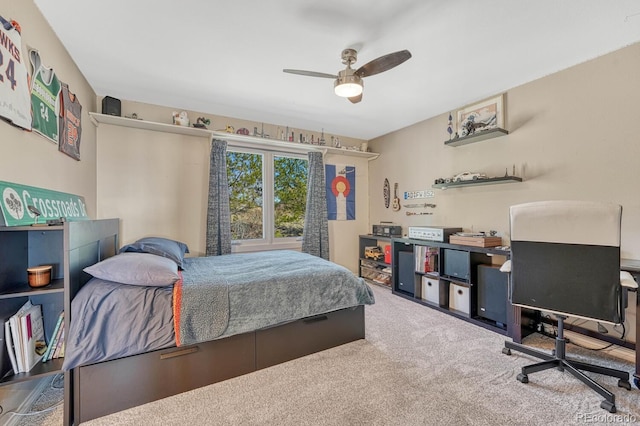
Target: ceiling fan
x=348 y=83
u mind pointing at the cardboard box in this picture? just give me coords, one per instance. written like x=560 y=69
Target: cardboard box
x=476 y=241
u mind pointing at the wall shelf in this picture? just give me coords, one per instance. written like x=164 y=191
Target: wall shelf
x=487 y=181
x=477 y=137
x=234 y=139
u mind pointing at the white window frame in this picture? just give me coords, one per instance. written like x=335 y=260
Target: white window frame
x=268 y=242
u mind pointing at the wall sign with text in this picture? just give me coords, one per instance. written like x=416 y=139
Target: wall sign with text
x=20 y=205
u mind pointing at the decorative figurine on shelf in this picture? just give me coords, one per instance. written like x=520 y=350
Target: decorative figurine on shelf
x=321 y=140
x=450 y=126
x=262 y=134
x=202 y=123
x=181 y=118
x=37 y=213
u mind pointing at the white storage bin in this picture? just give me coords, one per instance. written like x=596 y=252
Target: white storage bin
x=430 y=290
x=459 y=298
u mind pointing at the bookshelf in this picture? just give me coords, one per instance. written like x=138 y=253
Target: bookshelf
x=69 y=248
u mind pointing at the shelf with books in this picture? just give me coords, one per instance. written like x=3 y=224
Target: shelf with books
x=22 y=247
x=69 y=248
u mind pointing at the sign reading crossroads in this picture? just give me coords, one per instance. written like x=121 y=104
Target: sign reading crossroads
x=16 y=200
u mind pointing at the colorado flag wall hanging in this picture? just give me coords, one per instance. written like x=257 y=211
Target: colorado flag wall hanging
x=341 y=191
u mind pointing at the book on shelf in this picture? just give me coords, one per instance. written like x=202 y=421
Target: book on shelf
x=59 y=343
x=56 y=341
x=61 y=354
x=24 y=338
x=426 y=259
x=14 y=324
x=16 y=335
x=54 y=338
x=47 y=355
x=9 y=354
x=33 y=341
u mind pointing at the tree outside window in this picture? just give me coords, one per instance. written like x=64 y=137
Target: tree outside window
x=267 y=195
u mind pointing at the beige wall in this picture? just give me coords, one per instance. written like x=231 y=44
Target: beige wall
x=30 y=159
x=572 y=135
x=157 y=183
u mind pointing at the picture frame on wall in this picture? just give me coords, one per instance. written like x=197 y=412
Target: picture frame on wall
x=481 y=116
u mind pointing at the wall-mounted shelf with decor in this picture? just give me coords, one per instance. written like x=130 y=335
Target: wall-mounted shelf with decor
x=487 y=181
x=235 y=139
x=477 y=137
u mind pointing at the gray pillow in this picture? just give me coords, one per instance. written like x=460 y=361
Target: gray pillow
x=174 y=250
x=136 y=269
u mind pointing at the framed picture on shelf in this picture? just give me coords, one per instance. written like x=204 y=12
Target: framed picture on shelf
x=481 y=116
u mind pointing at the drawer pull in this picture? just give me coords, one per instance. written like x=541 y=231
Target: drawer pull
x=180 y=352
x=316 y=319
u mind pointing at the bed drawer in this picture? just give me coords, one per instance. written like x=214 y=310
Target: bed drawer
x=127 y=382
x=283 y=343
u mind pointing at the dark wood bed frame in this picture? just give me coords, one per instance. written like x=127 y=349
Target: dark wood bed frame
x=99 y=389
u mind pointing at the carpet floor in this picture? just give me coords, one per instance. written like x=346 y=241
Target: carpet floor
x=417 y=366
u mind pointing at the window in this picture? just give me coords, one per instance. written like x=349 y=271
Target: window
x=267 y=197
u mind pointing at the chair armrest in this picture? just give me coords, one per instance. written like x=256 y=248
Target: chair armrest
x=506 y=267
x=626 y=280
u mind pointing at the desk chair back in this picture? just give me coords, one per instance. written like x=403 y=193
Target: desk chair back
x=566 y=258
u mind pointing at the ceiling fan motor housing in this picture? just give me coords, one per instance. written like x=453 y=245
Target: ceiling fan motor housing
x=349 y=56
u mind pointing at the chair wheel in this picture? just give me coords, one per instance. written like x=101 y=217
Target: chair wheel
x=507 y=351
x=637 y=382
x=523 y=378
x=624 y=384
x=609 y=406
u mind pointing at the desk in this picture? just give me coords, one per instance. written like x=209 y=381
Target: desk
x=633 y=266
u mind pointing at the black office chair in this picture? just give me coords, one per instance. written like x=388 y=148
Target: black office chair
x=565 y=259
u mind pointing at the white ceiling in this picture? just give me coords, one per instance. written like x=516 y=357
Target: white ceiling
x=225 y=57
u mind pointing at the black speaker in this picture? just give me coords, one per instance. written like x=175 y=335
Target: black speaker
x=111 y=106
x=492 y=293
x=406 y=274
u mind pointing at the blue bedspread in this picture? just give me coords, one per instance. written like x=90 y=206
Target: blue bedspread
x=112 y=320
x=256 y=290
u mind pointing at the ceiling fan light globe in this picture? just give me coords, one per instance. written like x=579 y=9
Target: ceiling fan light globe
x=348 y=90
x=348 y=86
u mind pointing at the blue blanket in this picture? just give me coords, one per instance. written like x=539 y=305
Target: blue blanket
x=236 y=293
x=220 y=296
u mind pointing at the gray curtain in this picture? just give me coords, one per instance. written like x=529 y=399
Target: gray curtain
x=218 y=213
x=315 y=239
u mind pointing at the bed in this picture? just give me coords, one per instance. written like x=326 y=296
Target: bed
x=224 y=316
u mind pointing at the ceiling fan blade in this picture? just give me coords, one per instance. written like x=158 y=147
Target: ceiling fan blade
x=383 y=63
x=356 y=99
x=310 y=73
